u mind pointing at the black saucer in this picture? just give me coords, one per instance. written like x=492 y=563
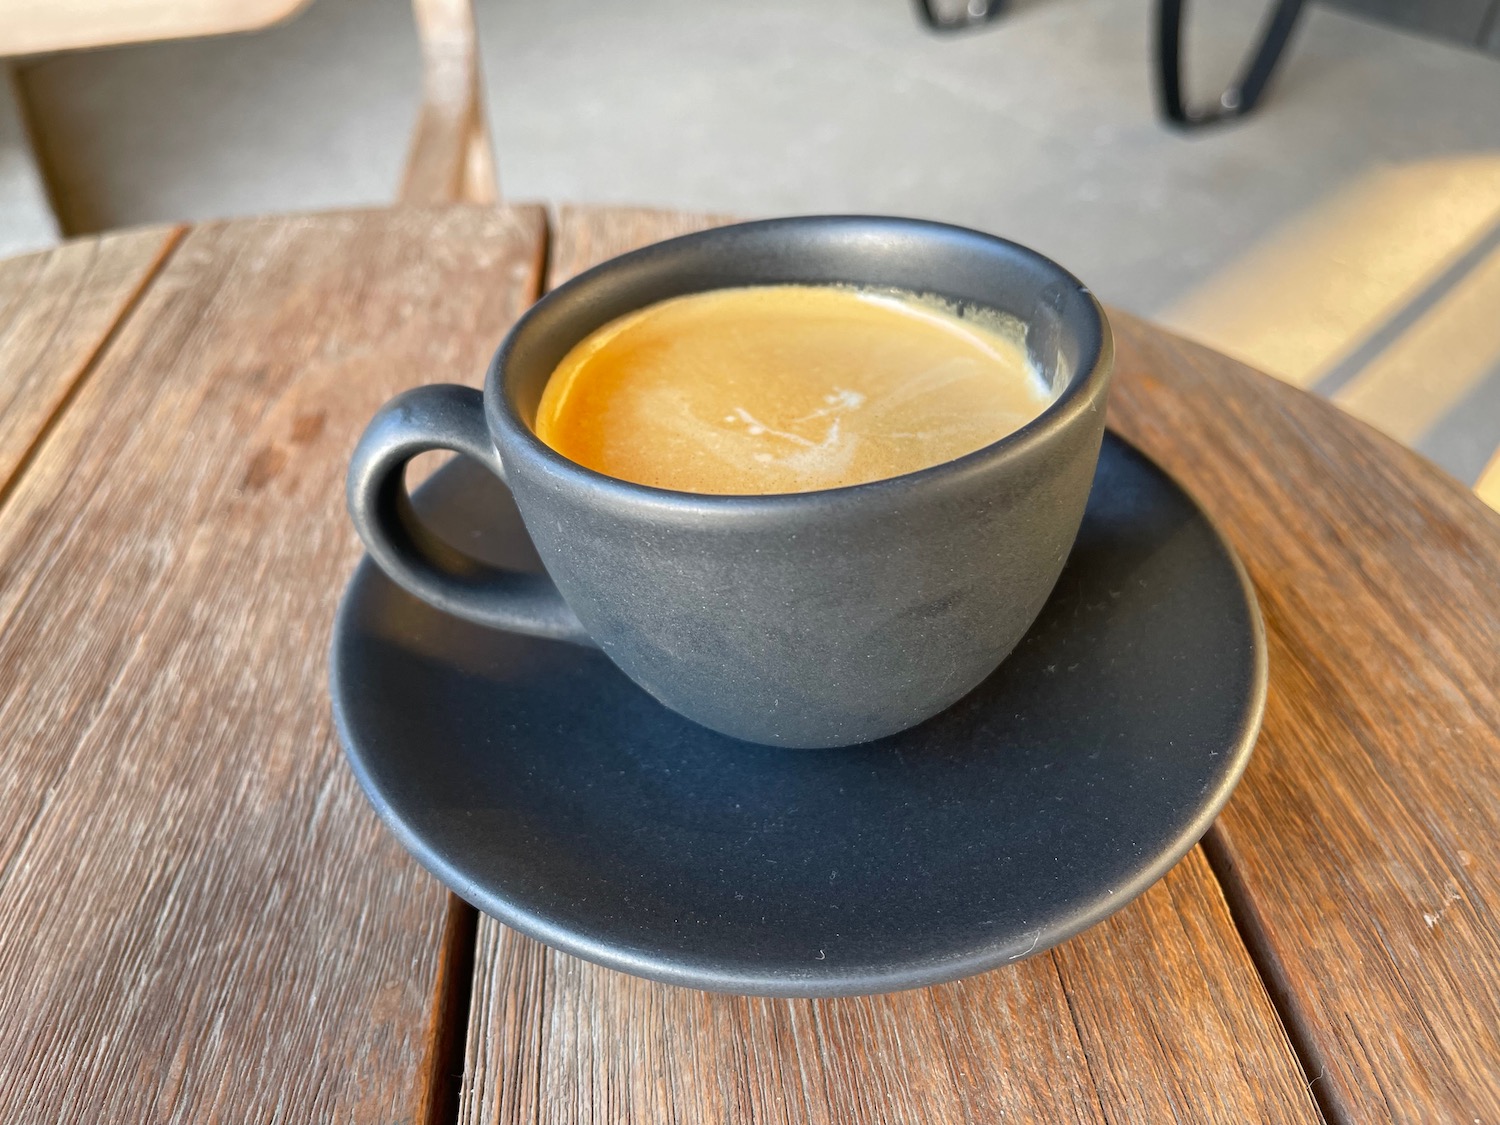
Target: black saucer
x=540 y=784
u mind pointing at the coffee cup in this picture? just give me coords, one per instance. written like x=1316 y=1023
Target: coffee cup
x=806 y=619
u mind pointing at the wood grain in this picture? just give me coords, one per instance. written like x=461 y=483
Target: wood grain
x=1362 y=849
x=56 y=310
x=203 y=920
x=584 y=236
x=1155 y=1015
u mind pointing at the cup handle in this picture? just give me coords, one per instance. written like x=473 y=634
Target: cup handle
x=443 y=416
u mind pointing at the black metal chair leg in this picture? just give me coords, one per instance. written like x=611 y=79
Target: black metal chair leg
x=1240 y=98
x=959 y=14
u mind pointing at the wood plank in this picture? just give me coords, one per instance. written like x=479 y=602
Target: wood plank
x=585 y=236
x=1362 y=849
x=203 y=919
x=33 y=27
x=1155 y=1015
x=56 y=310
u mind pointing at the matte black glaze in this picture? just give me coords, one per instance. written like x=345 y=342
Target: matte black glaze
x=806 y=620
x=544 y=787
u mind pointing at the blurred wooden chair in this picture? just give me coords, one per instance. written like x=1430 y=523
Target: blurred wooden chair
x=450 y=158
x=42 y=27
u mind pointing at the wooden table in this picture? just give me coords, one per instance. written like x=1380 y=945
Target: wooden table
x=202 y=921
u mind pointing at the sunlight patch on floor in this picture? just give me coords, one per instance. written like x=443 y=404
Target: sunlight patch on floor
x=1488 y=488
x=1434 y=364
x=1311 y=293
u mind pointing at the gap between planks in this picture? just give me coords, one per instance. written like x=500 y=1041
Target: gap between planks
x=90 y=364
x=1247 y=923
x=170 y=242
x=452 y=1004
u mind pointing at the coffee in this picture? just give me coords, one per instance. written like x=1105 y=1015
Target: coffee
x=787 y=388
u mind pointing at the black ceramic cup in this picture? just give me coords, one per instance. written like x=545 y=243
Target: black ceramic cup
x=806 y=619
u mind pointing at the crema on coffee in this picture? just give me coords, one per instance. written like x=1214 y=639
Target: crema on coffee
x=787 y=388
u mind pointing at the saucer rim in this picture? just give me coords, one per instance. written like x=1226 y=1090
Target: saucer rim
x=831 y=981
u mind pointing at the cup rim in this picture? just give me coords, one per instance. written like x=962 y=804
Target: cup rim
x=1079 y=395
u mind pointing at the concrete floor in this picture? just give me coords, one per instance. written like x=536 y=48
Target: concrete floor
x=26 y=219
x=1346 y=238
